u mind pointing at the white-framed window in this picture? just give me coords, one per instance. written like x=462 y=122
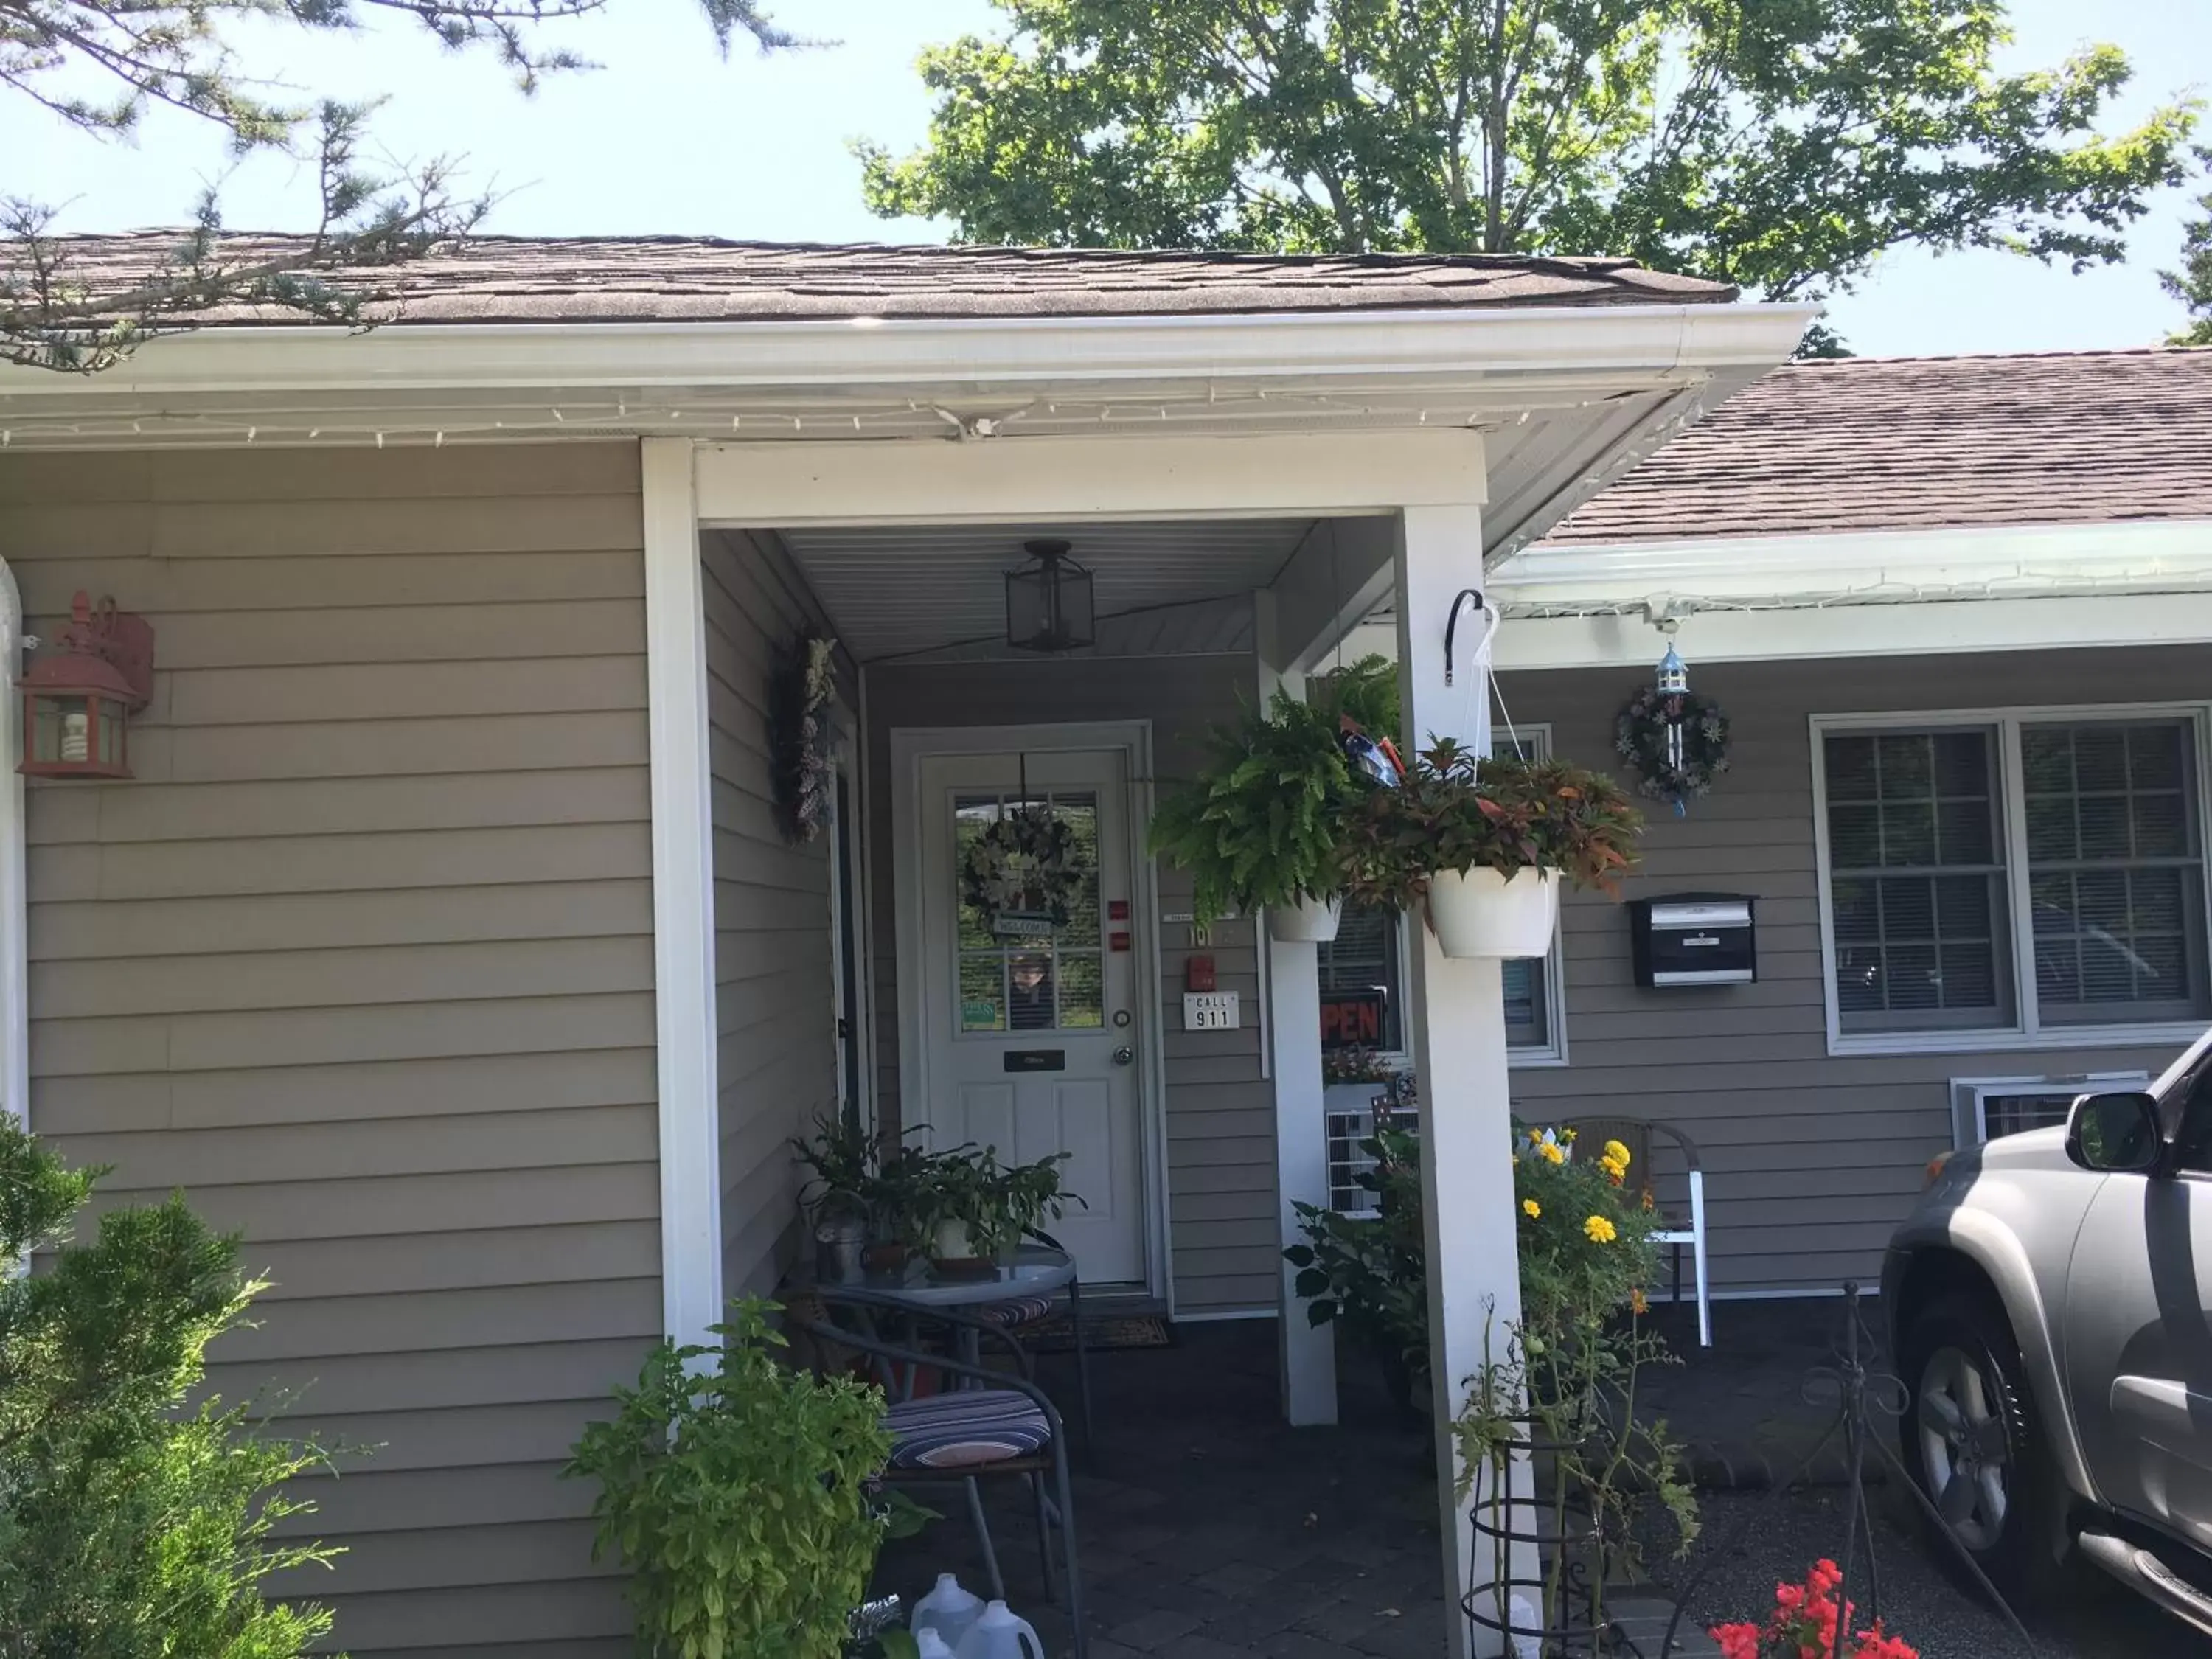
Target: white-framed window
x=2013 y=878
x=1988 y=1107
x=1368 y=956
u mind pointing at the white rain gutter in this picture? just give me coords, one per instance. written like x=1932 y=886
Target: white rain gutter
x=1604 y=342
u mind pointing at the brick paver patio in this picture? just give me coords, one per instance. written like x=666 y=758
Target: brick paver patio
x=1210 y=1528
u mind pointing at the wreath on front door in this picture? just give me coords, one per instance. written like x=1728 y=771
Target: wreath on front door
x=1644 y=736
x=1020 y=872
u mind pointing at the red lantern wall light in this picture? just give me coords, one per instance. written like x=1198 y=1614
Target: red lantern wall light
x=77 y=698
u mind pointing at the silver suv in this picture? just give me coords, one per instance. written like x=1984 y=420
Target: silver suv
x=2049 y=1303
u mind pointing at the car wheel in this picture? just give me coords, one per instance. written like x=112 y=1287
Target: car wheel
x=1970 y=1440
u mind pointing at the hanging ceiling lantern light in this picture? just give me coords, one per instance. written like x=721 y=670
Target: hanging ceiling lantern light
x=1049 y=605
x=76 y=699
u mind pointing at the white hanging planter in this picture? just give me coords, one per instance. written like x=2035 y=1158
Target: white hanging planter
x=1310 y=922
x=1479 y=913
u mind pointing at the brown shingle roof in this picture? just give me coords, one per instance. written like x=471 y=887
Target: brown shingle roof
x=1913 y=443
x=513 y=279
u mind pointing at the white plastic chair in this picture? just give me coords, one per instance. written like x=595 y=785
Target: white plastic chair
x=1636 y=1133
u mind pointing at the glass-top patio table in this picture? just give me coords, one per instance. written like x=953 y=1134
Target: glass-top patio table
x=1036 y=1271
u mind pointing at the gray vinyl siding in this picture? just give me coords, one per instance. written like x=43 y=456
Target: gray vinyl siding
x=774 y=999
x=1811 y=1159
x=363 y=962
x=1221 y=1110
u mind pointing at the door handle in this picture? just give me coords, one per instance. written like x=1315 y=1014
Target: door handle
x=1124 y=1054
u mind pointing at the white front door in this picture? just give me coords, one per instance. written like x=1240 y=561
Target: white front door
x=1029 y=1044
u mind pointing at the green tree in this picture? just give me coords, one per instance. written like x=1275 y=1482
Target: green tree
x=2192 y=283
x=99 y=65
x=131 y=1523
x=1783 y=145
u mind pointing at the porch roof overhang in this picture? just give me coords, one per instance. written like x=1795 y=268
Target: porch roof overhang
x=1566 y=396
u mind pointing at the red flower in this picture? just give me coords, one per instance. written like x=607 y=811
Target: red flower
x=1736 y=1641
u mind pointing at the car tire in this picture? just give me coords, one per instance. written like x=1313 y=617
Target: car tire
x=1971 y=1443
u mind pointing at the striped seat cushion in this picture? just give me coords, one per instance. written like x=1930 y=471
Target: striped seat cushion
x=1016 y=1310
x=961 y=1429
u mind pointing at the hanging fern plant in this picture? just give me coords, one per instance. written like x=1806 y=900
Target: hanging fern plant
x=1262 y=824
x=802 y=740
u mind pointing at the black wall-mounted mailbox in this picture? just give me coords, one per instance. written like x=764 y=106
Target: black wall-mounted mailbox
x=1693 y=938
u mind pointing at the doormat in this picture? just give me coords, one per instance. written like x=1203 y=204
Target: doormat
x=1100 y=1332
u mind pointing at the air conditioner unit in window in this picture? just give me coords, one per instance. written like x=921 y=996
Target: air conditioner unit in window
x=1986 y=1108
x=1348 y=1159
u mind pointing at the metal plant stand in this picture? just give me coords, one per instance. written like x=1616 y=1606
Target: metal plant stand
x=1578 y=1626
x=1860 y=1394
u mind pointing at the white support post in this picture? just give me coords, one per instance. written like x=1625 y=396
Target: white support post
x=1457 y=1020
x=1293 y=989
x=683 y=896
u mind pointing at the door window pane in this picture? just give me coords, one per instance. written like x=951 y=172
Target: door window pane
x=2115 y=871
x=1026 y=983
x=1917 y=879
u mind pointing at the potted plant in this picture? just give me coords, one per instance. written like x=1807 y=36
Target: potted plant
x=975 y=1210
x=743 y=1497
x=855 y=1185
x=1806 y=1620
x=1370 y=1272
x=1486 y=844
x=1262 y=823
x=1559 y=1386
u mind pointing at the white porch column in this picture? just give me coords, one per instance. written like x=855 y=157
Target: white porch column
x=683 y=896
x=1308 y=1355
x=1457 y=1026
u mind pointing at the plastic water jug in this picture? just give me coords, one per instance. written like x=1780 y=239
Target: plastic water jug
x=999 y=1635
x=949 y=1610
x=926 y=1646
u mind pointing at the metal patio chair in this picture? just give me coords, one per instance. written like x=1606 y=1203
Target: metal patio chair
x=1025 y=1313
x=994 y=1425
x=1676 y=1229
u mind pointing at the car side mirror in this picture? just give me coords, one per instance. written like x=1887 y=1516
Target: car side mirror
x=2114 y=1133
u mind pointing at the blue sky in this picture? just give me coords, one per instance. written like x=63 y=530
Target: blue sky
x=667 y=137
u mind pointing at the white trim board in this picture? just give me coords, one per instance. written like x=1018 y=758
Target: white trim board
x=14 y=887
x=797 y=484
x=1745 y=566
x=2029 y=1034
x=909 y=746
x=1806 y=632
x=683 y=897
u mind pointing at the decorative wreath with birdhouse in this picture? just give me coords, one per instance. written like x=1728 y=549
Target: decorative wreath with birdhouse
x=1020 y=872
x=1677 y=742
x=803 y=737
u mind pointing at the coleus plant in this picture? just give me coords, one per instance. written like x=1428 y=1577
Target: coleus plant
x=1457 y=812
x=1804 y=1625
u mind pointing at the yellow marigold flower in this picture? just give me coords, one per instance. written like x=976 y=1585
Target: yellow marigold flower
x=1599 y=1230
x=1617 y=1152
x=1648 y=1205
x=1535 y=1137
x=1531 y=1208
x=1636 y=1304
x=1568 y=1135
x=1552 y=1153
